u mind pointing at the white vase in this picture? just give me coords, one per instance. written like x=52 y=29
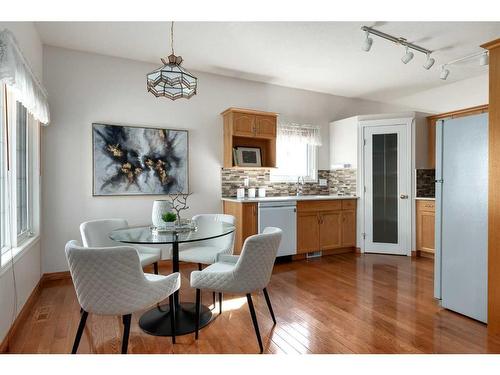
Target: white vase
x=160 y=207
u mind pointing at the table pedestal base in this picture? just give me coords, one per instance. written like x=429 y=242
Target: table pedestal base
x=157 y=320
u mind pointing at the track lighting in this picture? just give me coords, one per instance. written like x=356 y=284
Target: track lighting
x=429 y=62
x=407 y=57
x=444 y=73
x=484 y=59
x=367 y=44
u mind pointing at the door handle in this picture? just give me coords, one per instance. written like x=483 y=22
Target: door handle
x=404 y=196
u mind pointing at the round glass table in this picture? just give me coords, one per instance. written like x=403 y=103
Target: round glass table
x=157 y=321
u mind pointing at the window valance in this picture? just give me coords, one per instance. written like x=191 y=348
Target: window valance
x=299 y=134
x=16 y=73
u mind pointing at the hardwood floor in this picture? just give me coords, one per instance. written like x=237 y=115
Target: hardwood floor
x=335 y=304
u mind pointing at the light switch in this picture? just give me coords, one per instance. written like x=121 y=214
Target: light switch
x=323 y=182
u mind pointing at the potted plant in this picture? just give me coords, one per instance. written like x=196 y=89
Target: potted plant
x=169 y=218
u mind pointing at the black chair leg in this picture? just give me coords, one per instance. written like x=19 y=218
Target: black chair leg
x=126 y=332
x=199 y=266
x=79 y=332
x=81 y=310
x=172 y=316
x=197 y=315
x=155 y=267
x=220 y=303
x=268 y=301
x=213 y=298
x=254 y=320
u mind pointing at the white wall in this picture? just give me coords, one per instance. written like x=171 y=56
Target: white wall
x=85 y=88
x=450 y=96
x=28 y=265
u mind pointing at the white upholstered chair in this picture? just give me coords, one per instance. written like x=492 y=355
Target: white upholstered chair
x=245 y=274
x=110 y=281
x=206 y=252
x=95 y=233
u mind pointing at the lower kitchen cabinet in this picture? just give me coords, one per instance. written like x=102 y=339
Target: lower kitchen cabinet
x=425 y=226
x=326 y=225
x=307 y=231
x=330 y=230
x=246 y=221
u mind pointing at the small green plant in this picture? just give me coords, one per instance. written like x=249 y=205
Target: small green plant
x=169 y=217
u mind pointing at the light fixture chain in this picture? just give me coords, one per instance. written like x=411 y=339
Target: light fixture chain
x=172 y=37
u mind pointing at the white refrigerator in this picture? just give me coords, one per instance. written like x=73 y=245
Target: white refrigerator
x=461 y=262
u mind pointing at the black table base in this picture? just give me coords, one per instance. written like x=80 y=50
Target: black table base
x=157 y=320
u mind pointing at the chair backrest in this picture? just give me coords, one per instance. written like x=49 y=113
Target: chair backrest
x=108 y=280
x=255 y=264
x=225 y=243
x=95 y=233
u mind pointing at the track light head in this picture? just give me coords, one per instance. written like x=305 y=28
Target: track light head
x=484 y=59
x=407 y=57
x=444 y=73
x=367 y=43
x=429 y=62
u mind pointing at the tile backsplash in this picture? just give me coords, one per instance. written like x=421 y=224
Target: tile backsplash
x=339 y=182
x=426 y=187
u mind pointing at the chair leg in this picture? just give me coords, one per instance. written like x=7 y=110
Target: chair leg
x=155 y=267
x=199 y=267
x=197 y=315
x=220 y=303
x=172 y=316
x=254 y=320
x=213 y=298
x=269 y=306
x=126 y=332
x=79 y=332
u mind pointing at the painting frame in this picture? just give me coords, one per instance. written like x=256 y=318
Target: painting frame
x=257 y=154
x=137 y=194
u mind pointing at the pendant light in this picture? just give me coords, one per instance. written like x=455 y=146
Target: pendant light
x=172 y=80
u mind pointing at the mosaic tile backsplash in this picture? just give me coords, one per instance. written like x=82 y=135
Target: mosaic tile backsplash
x=426 y=187
x=340 y=182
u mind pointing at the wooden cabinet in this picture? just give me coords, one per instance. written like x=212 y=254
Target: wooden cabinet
x=425 y=226
x=243 y=125
x=330 y=230
x=250 y=128
x=307 y=232
x=246 y=221
x=349 y=228
x=326 y=225
x=265 y=126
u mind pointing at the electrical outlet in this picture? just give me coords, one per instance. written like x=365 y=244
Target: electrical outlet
x=323 y=182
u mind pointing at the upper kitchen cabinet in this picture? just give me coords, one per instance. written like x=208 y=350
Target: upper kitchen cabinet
x=250 y=128
x=344 y=143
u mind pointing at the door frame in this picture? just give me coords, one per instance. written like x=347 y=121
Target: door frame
x=409 y=122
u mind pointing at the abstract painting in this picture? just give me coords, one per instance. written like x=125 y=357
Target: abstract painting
x=132 y=160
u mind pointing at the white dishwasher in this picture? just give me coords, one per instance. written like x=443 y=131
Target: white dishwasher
x=283 y=215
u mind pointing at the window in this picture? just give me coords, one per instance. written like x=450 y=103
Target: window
x=18 y=130
x=296 y=153
x=4 y=238
x=21 y=160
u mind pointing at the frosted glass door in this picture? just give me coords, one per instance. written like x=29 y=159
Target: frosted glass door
x=386 y=189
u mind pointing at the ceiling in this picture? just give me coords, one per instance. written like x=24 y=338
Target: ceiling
x=319 y=56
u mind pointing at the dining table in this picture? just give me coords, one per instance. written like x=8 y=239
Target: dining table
x=156 y=321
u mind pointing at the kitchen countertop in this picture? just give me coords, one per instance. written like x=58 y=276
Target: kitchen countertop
x=425 y=199
x=290 y=198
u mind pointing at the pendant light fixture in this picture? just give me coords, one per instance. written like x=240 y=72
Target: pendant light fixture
x=171 y=80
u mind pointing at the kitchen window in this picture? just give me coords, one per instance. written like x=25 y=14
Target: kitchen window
x=17 y=156
x=296 y=153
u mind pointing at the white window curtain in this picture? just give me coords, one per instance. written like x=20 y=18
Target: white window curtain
x=291 y=133
x=16 y=73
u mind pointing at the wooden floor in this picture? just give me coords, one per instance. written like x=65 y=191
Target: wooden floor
x=335 y=304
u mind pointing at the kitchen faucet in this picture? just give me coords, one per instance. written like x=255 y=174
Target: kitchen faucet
x=300 y=185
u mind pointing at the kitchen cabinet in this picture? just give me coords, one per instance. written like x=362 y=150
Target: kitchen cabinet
x=326 y=225
x=246 y=221
x=425 y=226
x=250 y=128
